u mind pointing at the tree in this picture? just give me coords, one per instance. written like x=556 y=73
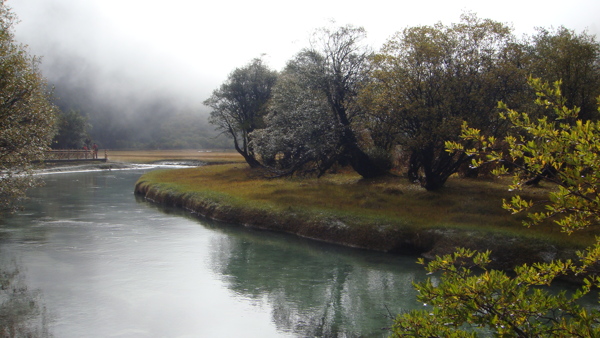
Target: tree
x=301 y=135
x=26 y=114
x=72 y=131
x=331 y=72
x=239 y=105
x=572 y=58
x=428 y=79
x=507 y=305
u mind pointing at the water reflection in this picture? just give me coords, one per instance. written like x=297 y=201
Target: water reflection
x=313 y=289
x=108 y=265
x=327 y=292
x=314 y=294
x=22 y=313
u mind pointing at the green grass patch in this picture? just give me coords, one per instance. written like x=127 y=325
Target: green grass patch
x=391 y=201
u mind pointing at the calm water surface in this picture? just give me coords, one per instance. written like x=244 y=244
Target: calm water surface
x=109 y=265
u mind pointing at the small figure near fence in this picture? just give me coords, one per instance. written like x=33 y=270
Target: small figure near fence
x=94 y=151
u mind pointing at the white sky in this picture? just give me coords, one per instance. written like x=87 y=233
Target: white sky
x=189 y=46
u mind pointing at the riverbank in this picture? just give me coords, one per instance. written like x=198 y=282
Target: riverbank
x=142 y=159
x=388 y=215
x=68 y=166
x=187 y=155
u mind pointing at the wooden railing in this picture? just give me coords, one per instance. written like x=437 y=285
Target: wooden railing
x=74 y=154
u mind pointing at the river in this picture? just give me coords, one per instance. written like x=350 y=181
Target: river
x=98 y=262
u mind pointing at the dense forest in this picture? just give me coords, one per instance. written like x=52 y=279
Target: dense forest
x=340 y=102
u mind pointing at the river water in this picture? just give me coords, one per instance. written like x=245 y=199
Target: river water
x=102 y=263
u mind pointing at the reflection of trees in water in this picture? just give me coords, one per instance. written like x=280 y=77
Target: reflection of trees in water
x=314 y=292
x=314 y=289
x=21 y=312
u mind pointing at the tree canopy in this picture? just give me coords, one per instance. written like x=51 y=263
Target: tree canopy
x=574 y=60
x=239 y=105
x=470 y=298
x=26 y=113
x=326 y=79
x=428 y=79
x=338 y=102
x=72 y=130
x=300 y=136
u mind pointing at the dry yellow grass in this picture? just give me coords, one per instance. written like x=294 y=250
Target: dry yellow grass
x=148 y=156
x=466 y=204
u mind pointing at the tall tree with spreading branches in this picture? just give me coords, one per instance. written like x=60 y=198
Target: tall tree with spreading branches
x=239 y=105
x=330 y=74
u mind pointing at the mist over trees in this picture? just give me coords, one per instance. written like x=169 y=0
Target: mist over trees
x=121 y=114
x=71 y=130
x=338 y=102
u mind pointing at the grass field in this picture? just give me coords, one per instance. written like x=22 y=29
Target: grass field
x=464 y=203
x=149 y=156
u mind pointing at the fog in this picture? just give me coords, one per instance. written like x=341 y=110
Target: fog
x=124 y=57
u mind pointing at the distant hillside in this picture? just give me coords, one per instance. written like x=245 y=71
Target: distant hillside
x=126 y=116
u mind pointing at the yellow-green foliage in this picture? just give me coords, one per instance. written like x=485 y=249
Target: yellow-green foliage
x=463 y=299
x=393 y=201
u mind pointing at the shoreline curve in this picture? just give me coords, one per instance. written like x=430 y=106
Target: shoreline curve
x=507 y=251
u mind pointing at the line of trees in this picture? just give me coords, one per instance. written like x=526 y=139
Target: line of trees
x=339 y=102
x=468 y=299
x=436 y=95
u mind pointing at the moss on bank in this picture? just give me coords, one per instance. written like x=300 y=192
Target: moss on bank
x=388 y=214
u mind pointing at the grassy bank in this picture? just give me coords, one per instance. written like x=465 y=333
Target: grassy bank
x=389 y=214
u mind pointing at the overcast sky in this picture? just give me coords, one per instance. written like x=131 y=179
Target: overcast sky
x=188 y=47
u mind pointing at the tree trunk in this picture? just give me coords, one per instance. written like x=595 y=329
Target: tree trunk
x=252 y=162
x=414 y=164
x=438 y=166
x=433 y=182
x=363 y=164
